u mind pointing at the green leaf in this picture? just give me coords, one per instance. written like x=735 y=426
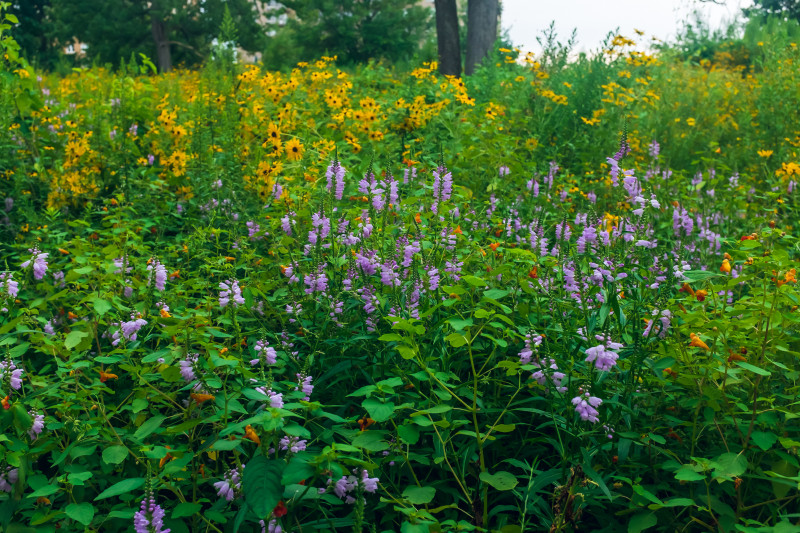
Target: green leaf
x=730 y=465
x=496 y=294
x=754 y=369
x=371 y=441
x=764 y=440
x=126 y=485
x=149 y=427
x=80 y=512
x=687 y=473
x=261 y=484
x=419 y=495
x=74 y=338
x=642 y=521
x=501 y=480
x=378 y=410
x=226 y=444
x=297 y=470
x=456 y=340
x=474 y=281
x=186 y=509
x=114 y=455
x=408 y=434
x=101 y=306
x=460 y=323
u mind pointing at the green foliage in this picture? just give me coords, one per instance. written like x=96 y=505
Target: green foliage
x=353 y=31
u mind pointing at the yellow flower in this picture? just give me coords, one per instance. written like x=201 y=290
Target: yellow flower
x=294 y=150
x=690 y=121
x=765 y=153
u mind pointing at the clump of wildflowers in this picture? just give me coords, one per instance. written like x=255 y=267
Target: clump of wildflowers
x=304 y=384
x=150 y=516
x=39 y=261
x=128 y=330
x=265 y=352
x=188 y=366
x=230 y=291
x=158 y=274
x=8 y=478
x=10 y=375
x=8 y=288
x=586 y=406
x=38 y=425
x=230 y=487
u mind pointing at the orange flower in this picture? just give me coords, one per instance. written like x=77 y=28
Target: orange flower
x=457 y=231
x=697 y=342
x=494 y=246
x=735 y=357
x=199 y=398
x=250 y=434
x=418 y=218
x=222 y=351
x=701 y=295
x=41 y=500
x=63 y=251
x=72 y=316
x=167 y=458
x=687 y=288
x=229 y=258
x=364 y=423
x=726 y=266
x=175 y=274
x=165 y=313
x=5 y=403
x=534 y=273
x=105 y=376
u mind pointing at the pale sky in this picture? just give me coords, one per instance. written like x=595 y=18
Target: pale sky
x=525 y=19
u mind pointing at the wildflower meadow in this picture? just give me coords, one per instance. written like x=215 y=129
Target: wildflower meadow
x=556 y=295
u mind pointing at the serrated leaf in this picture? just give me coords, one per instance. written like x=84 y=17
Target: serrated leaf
x=408 y=434
x=730 y=465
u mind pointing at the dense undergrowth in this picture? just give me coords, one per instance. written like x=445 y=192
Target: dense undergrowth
x=553 y=296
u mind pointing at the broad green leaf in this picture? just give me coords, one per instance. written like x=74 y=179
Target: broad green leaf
x=114 y=455
x=408 y=434
x=186 y=509
x=74 y=338
x=297 y=470
x=149 y=427
x=378 y=410
x=419 y=495
x=501 y=480
x=730 y=465
x=372 y=441
x=642 y=521
x=261 y=484
x=80 y=512
x=753 y=368
x=764 y=440
x=126 y=485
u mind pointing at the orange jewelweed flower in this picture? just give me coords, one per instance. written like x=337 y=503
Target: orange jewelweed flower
x=701 y=295
x=494 y=246
x=249 y=433
x=364 y=423
x=726 y=266
x=199 y=398
x=167 y=458
x=280 y=509
x=418 y=218
x=5 y=403
x=72 y=316
x=687 y=288
x=63 y=251
x=697 y=342
x=175 y=274
x=457 y=231
x=534 y=273
x=105 y=376
x=165 y=313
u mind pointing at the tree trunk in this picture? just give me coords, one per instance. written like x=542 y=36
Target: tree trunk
x=481 y=31
x=162 y=44
x=447 y=37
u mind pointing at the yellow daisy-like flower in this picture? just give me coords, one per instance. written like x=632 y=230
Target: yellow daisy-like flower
x=294 y=150
x=765 y=153
x=273 y=132
x=690 y=121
